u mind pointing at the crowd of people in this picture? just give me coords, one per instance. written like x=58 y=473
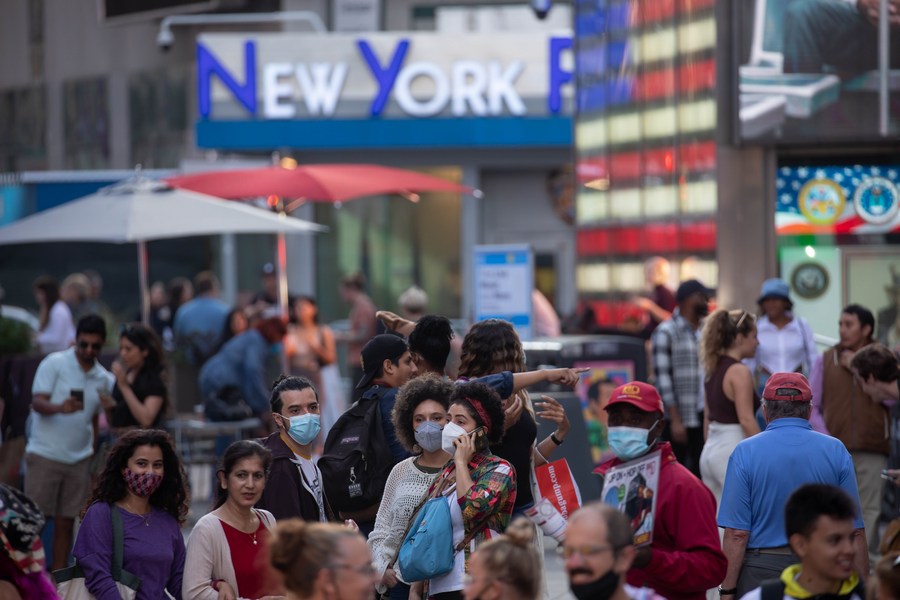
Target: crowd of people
x=772 y=459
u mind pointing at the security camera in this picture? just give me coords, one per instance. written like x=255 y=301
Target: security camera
x=165 y=39
x=541 y=8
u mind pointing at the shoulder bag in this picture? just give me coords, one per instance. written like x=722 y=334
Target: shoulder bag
x=70 y=584
x=427 y=549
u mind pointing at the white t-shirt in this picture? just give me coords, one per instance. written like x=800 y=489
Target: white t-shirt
x=310 y=473
x=66 y=438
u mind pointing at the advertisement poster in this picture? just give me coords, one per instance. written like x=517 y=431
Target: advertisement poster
x=632 y=488
x=809 y=71
x=834 y=200
x=594 y=391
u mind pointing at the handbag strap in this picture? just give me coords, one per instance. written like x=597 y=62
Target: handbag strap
x=429 y=496
x=118 y=542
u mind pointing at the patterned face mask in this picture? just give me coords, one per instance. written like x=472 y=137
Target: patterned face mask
x=142 y=484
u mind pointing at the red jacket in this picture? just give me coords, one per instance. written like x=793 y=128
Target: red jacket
x=686 y=557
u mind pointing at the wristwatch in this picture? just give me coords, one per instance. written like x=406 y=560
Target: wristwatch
x=728 y=592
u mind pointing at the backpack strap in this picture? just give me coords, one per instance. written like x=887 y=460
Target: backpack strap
x=118 y=542
x=771 y=589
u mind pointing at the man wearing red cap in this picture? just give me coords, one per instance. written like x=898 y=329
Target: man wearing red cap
x=685 y=558
x=763 y=472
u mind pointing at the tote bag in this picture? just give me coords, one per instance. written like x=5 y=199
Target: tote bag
x=70 y=583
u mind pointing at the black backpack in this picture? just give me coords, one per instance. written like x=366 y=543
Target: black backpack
x=357 y=459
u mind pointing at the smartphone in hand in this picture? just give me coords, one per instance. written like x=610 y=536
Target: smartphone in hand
x=480 y=439
x=78 y=395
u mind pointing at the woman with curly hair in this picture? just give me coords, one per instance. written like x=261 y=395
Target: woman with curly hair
x=493 y=346
x=145 y=482
x=480 y=487
x=226 y=555
x=508 y=565
x=140 y=394
x=731 y=399
x=419 y=416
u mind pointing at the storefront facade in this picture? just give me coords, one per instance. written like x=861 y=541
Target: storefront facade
x=491 y=111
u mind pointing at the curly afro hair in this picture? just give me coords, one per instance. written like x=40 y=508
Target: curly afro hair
x=410 y=396
x=489 y=400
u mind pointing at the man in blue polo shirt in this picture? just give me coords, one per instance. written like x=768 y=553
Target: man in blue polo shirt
x=763 y=471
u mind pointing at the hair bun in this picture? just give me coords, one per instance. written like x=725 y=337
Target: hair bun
x=287 y=544
x=520 y=532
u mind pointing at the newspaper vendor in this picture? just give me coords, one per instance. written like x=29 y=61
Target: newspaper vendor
x=684 y=558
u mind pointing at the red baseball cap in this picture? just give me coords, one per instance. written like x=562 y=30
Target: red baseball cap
x=638 y=394
x=787 y=387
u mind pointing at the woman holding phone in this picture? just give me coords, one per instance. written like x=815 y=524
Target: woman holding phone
x=140 y=397
x=480 y=488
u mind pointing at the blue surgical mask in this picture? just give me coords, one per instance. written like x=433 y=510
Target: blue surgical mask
x=629 y=442
x=304 y=428
x=428 y=436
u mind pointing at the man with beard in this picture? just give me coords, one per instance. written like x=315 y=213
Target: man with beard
x=685 y=558
x=842 y=408
x=598 y=553
x=678 y=374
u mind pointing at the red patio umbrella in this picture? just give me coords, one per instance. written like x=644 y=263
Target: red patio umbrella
x=317 y=183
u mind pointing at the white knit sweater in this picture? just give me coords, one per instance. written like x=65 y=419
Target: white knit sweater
x=405 y=488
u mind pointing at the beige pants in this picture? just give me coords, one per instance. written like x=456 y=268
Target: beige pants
x=868 y=466
x=720 y=443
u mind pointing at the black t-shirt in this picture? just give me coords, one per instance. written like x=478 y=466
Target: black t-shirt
x=516 y=448
x=145 y=384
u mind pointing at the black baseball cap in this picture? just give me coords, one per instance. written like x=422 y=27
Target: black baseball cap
x=691 y=287
x=380 y=348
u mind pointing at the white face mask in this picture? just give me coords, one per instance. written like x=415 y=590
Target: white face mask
x=449 y=435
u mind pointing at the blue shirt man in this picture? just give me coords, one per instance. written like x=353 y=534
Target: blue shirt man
x=200 y=323
x=763 y=471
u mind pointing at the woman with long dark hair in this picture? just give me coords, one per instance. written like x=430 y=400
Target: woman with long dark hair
x=140 y=394
x=57 y=327
x=226 y=555
x=145 y=482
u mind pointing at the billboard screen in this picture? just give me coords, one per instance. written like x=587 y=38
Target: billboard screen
x=807 y=71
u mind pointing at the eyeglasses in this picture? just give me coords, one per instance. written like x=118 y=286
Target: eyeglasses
x=93 y=346
x=366 y=570
x=584 y=551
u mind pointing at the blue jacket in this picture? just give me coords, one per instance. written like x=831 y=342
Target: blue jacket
x=241 y=363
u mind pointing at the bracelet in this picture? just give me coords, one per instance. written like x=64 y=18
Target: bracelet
x=728 y=592
x=215 y=584
x=555 y=439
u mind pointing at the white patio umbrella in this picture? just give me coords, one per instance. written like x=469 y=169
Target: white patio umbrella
x=138 y=210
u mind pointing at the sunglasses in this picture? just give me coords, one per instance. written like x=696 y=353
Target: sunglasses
x=93 y=346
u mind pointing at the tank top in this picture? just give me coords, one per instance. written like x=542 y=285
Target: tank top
x=721 y=409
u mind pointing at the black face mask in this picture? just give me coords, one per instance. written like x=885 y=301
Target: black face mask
x=599 y=589
x=701 y=310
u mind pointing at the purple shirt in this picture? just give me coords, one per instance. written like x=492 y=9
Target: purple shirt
x=154 y=553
